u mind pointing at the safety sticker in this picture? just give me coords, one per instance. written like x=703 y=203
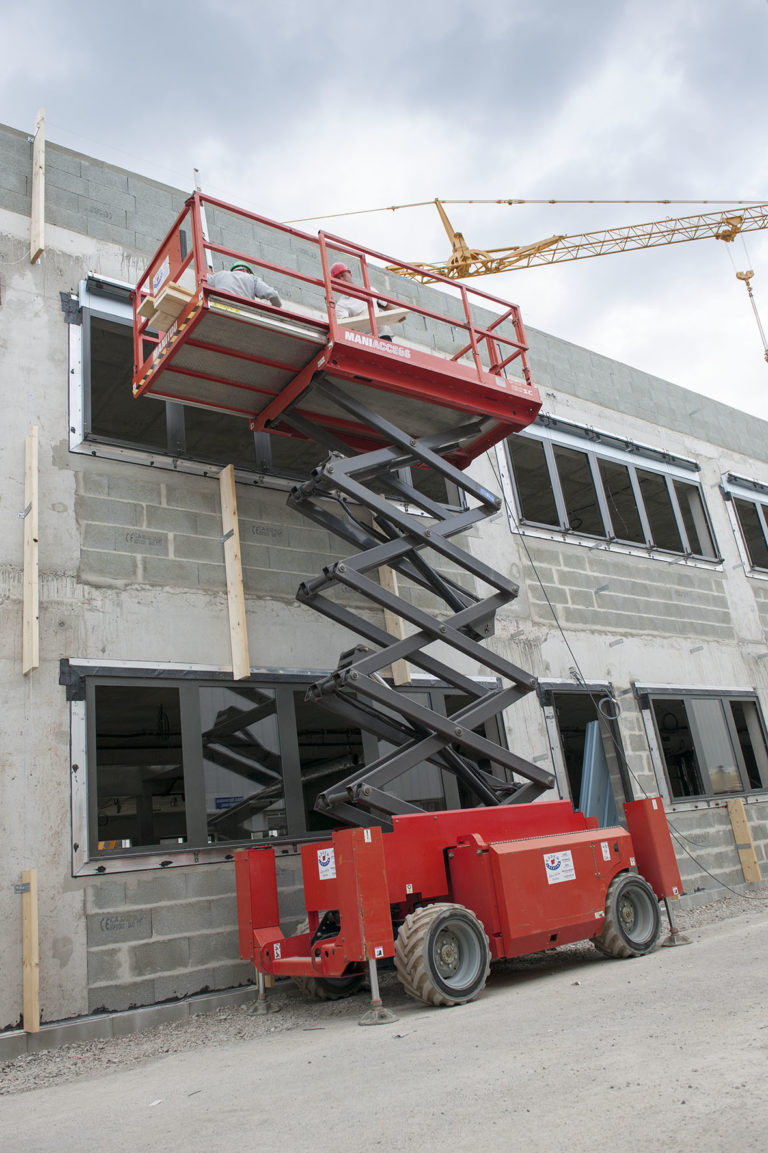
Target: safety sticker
x=326 y=864
x=161 y=275
x=606 y=848
x=378 y=951
x=367 y=835
x=277 y=951
x=559 y=867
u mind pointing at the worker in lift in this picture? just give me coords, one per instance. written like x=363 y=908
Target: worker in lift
x=241 y=280
x=354 y=305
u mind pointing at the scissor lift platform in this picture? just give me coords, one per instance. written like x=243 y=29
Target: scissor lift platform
x=248 y=358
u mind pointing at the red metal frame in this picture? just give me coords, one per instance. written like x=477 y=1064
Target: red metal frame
x=490 y=860
x=234 y=374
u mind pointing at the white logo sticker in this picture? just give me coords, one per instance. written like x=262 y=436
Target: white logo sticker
x=367 y=835
x=378 y=951
x=559 y=867
x=161 y=275
x=277 y=951
x=606 y=850
x=326 y=864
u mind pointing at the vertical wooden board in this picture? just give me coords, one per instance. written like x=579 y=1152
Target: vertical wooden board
x=37 y=214
x=30 y=632
x=393 y=624
x=742 y=835
x=238 y=632
x=30 y=953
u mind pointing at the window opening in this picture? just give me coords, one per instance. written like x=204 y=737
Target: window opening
x=529 y=466
x=711 y=746
x=593 y=756
x=579 y=491
x=753 y=530
x=593 y=493
x=622 y=502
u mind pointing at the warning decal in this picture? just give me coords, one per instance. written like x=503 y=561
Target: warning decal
x=326 y=864
x=559 y=867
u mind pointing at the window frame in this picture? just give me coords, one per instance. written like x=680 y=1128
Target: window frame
x=737 y=488
x=83 y=676
x=646 y=695
x=599 y=447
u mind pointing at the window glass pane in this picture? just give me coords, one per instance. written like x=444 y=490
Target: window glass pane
x=330 y=749
x=140 y=794
x=677 y=748
x=752 y=742
x=621 y=502
x=242 y=765
x=294 y=457
x=115 y=413
x=752 y=531
x=534 y=489
x=217 y=437
x=714 y=748
x=694 y=518
x=579 y=492
x=658 y=508
x=433 y=485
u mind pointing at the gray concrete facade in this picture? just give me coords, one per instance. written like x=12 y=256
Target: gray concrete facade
x=132 y=577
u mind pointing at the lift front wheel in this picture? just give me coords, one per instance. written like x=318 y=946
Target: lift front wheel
x=632 y=918
x=442 y=955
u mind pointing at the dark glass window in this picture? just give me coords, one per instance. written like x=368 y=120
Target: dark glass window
x=712 y=746
x=584 y=492
x=531 y=474
x=753 y=532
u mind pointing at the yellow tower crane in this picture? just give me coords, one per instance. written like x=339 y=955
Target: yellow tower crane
x=465 y=261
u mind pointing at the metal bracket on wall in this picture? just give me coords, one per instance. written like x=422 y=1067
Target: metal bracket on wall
x=70 y=306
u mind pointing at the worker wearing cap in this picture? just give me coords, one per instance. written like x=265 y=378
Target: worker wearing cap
x=241 y=280
x=355 y=305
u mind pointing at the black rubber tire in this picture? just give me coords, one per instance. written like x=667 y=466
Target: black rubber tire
x=442 y=955
x=327 y=988
x=632 y=918
x=330 y=988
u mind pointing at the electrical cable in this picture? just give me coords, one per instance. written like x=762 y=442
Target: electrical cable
x=618 y=749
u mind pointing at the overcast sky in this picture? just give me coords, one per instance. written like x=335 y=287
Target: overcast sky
x=299 y=107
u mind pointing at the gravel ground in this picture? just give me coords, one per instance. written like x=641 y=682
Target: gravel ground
x=240 y=1023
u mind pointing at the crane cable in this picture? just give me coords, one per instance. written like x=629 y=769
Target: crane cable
x=746 y=279
x=508 y=201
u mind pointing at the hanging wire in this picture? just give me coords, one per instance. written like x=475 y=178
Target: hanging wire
x=678 y=835
x=746 y=279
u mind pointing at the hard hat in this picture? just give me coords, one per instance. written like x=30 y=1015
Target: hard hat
x=242 y=264
x=339 y=267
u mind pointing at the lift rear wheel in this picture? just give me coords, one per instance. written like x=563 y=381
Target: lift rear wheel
x=632 y=918
x=442 y=955
x=330 y=988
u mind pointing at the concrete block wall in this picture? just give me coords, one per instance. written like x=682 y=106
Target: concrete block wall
x=161 y=935
x=172 y=932
x=602 y=591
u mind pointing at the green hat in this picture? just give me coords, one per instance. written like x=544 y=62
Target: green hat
x=242 y=264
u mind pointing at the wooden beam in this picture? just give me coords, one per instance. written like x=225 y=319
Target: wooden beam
x=238 y=632
x=742 y=834
x=30 y=952
x=30 y=612
x=394 y=624
x=37 y=215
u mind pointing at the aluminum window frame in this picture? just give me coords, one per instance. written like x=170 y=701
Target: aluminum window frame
x=733 y=488
x=597 y=447
x=646 y=694
x=83 y=676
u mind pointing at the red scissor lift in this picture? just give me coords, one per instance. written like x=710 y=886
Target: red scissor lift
x=443 y=892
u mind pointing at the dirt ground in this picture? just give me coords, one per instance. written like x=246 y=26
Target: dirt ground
x=563 y=1049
